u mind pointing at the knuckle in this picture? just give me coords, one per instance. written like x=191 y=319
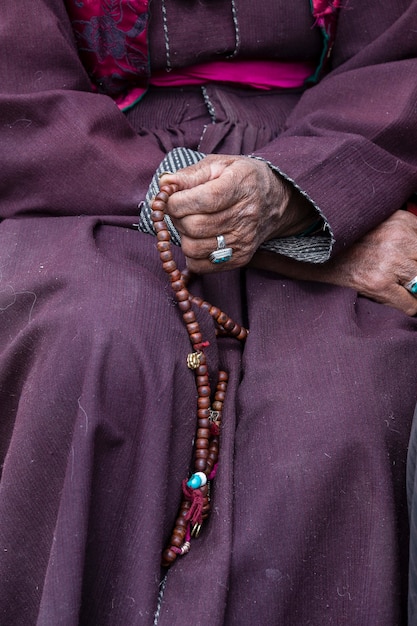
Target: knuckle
x=380 y=283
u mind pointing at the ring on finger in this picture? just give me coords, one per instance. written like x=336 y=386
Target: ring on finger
x=411 y=286
x=222 y=253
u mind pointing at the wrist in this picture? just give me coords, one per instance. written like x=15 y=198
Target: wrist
x=299 y=218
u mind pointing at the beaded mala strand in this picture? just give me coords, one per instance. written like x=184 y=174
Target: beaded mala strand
x=195 y=505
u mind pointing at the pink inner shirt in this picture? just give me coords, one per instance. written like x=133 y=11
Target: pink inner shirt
x=256 y=74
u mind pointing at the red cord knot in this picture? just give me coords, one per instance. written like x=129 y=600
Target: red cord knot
x=200 y=346
x=195 y=496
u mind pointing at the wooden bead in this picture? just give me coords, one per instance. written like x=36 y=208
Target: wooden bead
x=200 y=465
x=212 y=458
x=162 y=246
x=203 y=391
x=203 y=433
x=203 y=403
x=169 y=266
x=242 y=335
x=161 y=196
x=168 y=557
x=181 y=523
x=202 y=380
x=203 y=418
x=158 y=208
x=181 y=295
x=185 y=305
x=202 y=444
x=222 y=318
x=166 y=256
x=163 y=235
x=160 y=227
x=176 y=539
x=158 y=215
x=214 y=312
x=177 y=285
x=193 y=327
x=196 y=338
x=229 y=325
x=175 y=275
x=188 y=317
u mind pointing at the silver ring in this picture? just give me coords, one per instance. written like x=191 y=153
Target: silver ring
x=222 y=253
x=411 y=286
x=221 y=242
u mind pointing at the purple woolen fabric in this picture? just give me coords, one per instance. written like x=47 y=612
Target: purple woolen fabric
x=97 y=406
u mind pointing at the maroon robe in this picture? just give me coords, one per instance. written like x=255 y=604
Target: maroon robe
x=309 y=522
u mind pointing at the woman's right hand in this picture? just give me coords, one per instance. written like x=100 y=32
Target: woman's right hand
x=377 y=266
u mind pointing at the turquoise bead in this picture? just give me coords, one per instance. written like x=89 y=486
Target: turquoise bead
x=194 y=482
x=199 y=479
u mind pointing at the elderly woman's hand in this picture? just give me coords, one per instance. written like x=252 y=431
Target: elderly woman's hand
x=242 y=199
x=378 y=266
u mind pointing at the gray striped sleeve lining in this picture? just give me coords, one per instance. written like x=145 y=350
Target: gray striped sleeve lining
x=175 y=160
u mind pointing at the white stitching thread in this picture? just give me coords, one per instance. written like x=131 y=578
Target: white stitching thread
x=166 y=37
x=237 y=31
x=162 y=586
x=209 y=105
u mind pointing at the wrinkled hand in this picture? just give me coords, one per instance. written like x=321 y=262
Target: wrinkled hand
x=241 y=198
x=378 y=266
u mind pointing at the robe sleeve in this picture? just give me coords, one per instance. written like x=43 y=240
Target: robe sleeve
x=64 y=149
x=350 y=145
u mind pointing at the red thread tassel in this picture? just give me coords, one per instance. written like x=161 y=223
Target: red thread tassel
x=195 y=496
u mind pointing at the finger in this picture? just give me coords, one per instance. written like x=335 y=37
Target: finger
x=411 y=286
x=208 y=168
x=201 y=250
x=405 y=301
x=204 y=188
x=205 y=266
x=209 y=198
x=202 y=226
x=397 y=297
x=238 y=223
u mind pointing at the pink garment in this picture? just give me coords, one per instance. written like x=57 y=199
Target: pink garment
x=257 y=74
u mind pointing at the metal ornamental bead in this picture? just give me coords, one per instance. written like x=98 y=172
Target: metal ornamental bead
x=193 y=360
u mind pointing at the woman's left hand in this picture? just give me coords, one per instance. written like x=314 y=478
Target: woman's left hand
x=377 y=266
x=242 y=199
